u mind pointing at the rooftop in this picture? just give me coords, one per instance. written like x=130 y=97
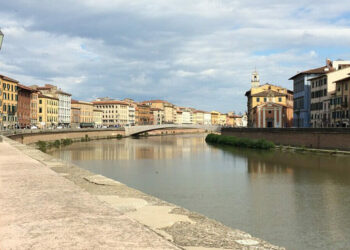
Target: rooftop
x=6 y=78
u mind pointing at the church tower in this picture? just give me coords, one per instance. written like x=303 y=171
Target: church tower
x=255 y=79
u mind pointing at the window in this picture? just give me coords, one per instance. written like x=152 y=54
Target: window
x=279 y=99
x=264 y=99
x=40 y=110
x=258 y=99
x=40 y=101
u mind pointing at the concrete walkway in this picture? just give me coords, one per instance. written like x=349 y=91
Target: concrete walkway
x=41 y=210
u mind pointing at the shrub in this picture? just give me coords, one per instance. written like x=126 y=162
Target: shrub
x=66 y=142
x=57 y=144
x=239 y=142
x=42 y=146
x=119 y=136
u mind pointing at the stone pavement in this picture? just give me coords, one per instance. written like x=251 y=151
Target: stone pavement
x=41 y=210
x=46 y=203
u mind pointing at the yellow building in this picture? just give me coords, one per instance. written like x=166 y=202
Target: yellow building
x=223 y=119
x=215 y=117
x=198 y=117
x=86 y=112
x=269 y=105
x=8 y=101
x=47 y=111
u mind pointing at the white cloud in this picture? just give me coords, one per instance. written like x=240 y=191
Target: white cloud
x=194 y=53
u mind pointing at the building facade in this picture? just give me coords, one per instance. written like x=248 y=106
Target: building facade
x=215 y=117
x=271 y=98
x=86 y=112
x=339 y=104
x=34 y=102
x=24 y=106
x=47 y=111
x=323 y=91
x=302 y=91
x=8 y=100
x=75 y=117
x=97 y=118
x=115 y=113
x=158 y=116
x=144 y=115
x=64 y=102
x=207 y=118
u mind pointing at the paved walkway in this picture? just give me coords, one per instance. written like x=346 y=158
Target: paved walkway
x=41 y=210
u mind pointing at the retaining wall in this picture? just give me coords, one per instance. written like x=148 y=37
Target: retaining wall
x=327 y=138
x=29 y=138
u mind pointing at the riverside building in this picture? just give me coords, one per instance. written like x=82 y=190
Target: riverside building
x=323 y=91
x=47 y=111
x=115 y=113
x=64 y=102
x=302 y=91
x=24 y=108
x=339 y=104
x=8 y=101
x=86 y=118
x=269 y=106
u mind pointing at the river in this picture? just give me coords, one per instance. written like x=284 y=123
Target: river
x=295 y=200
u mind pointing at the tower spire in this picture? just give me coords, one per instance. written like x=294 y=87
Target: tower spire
x=255 y=82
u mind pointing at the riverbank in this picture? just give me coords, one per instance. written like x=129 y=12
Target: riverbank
x=175 y=227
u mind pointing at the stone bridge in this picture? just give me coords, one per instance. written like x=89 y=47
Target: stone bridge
x=135 y=130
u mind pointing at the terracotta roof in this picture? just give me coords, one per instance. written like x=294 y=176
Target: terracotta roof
x=267 y=92
x=320 y=70
x=48 y=97
x=62 y=92
x=156 y=109
x=6 y=78
x=20 y=86
x=155 y=101
x=110 y=102
x=80 y=102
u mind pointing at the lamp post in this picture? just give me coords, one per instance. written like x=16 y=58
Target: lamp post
x=1 y=39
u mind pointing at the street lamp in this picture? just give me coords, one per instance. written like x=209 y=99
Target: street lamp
x=1 y=38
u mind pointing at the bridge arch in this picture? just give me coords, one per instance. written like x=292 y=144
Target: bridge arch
x=135 y=130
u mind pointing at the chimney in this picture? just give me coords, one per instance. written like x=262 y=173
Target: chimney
x=329 y=63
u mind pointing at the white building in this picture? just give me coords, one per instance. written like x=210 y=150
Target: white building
x=131 y=114
x=64 y=107
x=187 y=117
x=207 y=119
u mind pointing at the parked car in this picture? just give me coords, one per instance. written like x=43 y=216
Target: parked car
x=59 y=127
x=104 y=126
x=33 y=127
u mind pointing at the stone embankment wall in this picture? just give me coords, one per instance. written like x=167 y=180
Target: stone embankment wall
x=326 y=138
x=29 y=138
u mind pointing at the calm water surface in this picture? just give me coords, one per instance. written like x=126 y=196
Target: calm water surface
x=296 y=200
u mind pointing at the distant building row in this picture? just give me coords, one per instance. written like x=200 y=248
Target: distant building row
x=47 y=106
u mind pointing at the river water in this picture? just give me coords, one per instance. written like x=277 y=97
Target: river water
x=295 y=200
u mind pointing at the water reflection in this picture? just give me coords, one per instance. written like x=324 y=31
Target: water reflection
x=296 y=200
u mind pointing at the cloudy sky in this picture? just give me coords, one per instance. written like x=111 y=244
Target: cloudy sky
x=197 y=53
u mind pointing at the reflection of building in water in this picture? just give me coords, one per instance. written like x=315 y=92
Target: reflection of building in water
x=158 y=147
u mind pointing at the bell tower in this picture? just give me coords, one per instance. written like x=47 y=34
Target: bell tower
x=255 y=79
